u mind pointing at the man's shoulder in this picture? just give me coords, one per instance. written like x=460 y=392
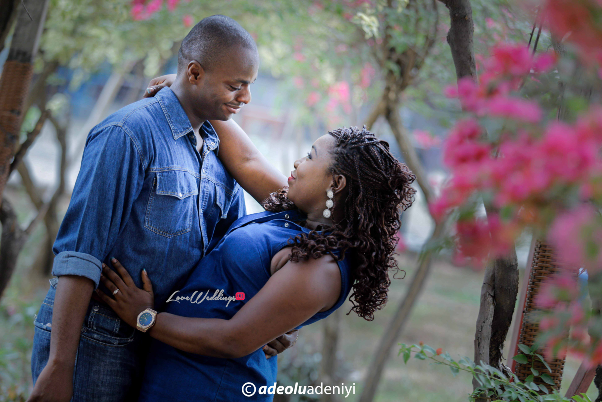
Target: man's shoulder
x=135 y=115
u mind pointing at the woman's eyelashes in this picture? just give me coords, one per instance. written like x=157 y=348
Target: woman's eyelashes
x=309 y=155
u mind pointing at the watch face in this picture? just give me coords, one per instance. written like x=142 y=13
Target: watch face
x=145 y=319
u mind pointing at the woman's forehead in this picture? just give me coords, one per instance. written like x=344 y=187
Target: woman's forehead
x=324 y=142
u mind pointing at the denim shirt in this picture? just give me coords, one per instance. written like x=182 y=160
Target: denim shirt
x=145 y=196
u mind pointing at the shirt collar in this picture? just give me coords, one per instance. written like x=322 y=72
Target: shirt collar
x=174 y=113
x=209 y=136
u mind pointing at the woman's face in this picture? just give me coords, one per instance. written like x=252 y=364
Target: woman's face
x=311 y=178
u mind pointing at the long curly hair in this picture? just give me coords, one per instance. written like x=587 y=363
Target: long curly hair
x=378 y=189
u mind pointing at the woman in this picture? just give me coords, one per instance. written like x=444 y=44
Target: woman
x=331 y=233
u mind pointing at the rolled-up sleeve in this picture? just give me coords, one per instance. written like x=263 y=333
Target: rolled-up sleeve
x=108 y=183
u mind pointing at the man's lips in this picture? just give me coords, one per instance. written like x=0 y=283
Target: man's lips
x=232 y=109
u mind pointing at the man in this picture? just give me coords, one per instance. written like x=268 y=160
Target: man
x=152 y=193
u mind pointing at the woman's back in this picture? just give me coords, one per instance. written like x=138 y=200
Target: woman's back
x=239 y=264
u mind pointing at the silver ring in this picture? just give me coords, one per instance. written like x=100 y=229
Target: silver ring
x=115 y=292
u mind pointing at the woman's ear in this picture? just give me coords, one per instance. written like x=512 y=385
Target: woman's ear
x=339 y=183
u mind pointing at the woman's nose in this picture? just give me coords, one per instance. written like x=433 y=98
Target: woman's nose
x=297 y=163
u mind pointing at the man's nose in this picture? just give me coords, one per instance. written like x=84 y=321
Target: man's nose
x=244 y=96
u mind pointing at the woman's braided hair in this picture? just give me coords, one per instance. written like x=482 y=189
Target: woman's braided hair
x=379 y=188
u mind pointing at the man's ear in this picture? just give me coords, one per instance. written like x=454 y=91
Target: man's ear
x=195 y=72
x=339 y=182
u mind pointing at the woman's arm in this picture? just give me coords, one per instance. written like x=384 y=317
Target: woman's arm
x=245 y=163
x=290 y=297
x=237 y=152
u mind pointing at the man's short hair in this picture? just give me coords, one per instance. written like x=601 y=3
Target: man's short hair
x=208 y=40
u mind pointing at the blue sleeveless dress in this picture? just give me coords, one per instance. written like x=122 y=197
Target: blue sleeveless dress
x=240 y=262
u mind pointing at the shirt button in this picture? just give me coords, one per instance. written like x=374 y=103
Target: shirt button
x=286 y=225
x=287 y=216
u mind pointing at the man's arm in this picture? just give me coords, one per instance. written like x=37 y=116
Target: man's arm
x=109 y=180
x=245 y=163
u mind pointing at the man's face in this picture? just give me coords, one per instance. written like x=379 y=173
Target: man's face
x=226 y=85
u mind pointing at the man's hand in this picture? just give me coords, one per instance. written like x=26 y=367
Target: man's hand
x=55 y=384
x=281 y=343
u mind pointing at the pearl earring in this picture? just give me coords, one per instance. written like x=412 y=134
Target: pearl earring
x=329 y=203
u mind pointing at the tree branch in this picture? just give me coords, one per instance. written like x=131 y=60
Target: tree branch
x=31 y=137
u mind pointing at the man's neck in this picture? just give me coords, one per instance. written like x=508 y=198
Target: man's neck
x=195 y=121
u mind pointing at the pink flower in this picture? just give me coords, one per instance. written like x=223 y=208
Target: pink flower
x=138 y=12
x=154 y=6
x=544 y=62
x=172 y=4
x=513 y=108
x=367 y=74
x=299 y=57
x=187 y=20
x=401 y=245
x=298 y=81
x=425 y=139
x=509 y=59
x=340 y=90
x=313 y=98
x=577 y=238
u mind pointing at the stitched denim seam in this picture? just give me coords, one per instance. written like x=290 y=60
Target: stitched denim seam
x=176 y=169
x=148 y=225
x=119 y=345
x=217 y=183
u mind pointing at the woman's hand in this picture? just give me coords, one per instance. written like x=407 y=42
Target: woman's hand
x=157 y=83
x=129 y=300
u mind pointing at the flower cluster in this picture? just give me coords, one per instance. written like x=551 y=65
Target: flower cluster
x=144 y=10
x=532 y=171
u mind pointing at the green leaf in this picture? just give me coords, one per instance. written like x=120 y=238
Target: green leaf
x=544 y=361
x=420 y=356
x=543 y=388
x=535 y=372
x=429 y=349
x=547 y=379
x=522 y=359
x=529 y=379
x=525 y=349
x=454 y=370
x=406 y=355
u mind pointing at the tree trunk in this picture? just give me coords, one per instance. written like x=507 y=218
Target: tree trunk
x=11 y=242
x=16 y=77
x=397 y=324
x=14 y=86
x=330 y=345
x=460 y=37
x=7 y=19
x=498 y=298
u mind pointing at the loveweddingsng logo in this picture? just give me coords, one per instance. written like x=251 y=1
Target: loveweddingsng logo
x=195 y=298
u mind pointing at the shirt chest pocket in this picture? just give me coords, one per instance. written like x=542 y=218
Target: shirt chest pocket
x=172 y=203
